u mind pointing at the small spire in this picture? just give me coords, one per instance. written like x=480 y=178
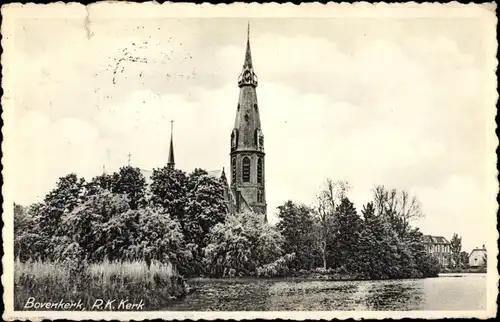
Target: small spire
x=129 y=156
x=171 y=162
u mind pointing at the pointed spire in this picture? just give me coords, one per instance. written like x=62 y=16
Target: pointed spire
x=248 y=54
x=247 y=76
x=171 y=162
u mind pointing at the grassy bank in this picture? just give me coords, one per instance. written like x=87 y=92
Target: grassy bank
x=51 y=282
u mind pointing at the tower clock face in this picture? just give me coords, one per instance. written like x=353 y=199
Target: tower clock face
x=247 y=76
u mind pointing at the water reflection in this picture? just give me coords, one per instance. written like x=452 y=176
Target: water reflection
x=443 y=293
x=393 y=295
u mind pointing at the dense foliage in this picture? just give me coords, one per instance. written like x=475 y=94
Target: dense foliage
x=241 y=245
x=378 y=244
x=181 y=218
x=119 y=217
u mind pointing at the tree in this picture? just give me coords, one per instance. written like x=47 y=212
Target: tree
x=86 y=224
x=119 y=237
x=21 y=220
x=456 y=248
x=324 y=228
x=158 y=238
x=128 y=181
x=67 y=195
x=415 y=265
x=296 y=224
x=345 y=246
x=193 y=178
x=464 y=259
x=131 y=182
x=380 y=246
x=369 y=255
x=240 y=245
x=169 y=192
x=399 y=207
x=205 y=207
x=430 y=266
x=104 y=227
x=28 y=243
x=101 y=182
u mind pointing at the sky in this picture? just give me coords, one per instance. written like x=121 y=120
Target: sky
x=405 y=102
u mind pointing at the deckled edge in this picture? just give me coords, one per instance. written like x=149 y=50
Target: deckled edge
x=194 y=10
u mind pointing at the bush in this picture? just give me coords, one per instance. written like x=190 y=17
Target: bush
x=156 y=285
x=241 y=245
x=429 y=266
x=278 y=268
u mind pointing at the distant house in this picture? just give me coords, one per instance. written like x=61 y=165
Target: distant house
x=477 y=257
x=439 y=247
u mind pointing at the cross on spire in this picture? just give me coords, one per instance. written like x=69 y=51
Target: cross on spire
x=129 y=155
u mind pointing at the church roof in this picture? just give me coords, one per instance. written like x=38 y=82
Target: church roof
x=440 y=240
x=215 y=173
x=220 y=173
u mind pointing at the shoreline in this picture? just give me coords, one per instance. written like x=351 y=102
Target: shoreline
x=294 y=278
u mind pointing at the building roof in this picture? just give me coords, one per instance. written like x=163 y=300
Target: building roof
x=480 y=251
x=439 y=240
x=215 y=173
x=218 y=174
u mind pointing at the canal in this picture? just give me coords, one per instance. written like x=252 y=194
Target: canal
x=447 y=292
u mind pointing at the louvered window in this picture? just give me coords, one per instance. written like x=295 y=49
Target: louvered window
x=246 y=169
x=259 y=171
x=233 y=169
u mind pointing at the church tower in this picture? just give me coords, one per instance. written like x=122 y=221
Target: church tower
x=247 y=144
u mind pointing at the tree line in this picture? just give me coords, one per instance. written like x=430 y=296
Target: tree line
x=182 y=218
x=377 y=243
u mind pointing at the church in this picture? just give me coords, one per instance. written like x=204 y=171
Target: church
x=245 y=192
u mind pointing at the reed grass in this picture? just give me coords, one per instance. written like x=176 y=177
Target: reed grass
x=156 y=285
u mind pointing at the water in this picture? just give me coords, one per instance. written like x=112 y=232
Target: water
x=447 y=292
